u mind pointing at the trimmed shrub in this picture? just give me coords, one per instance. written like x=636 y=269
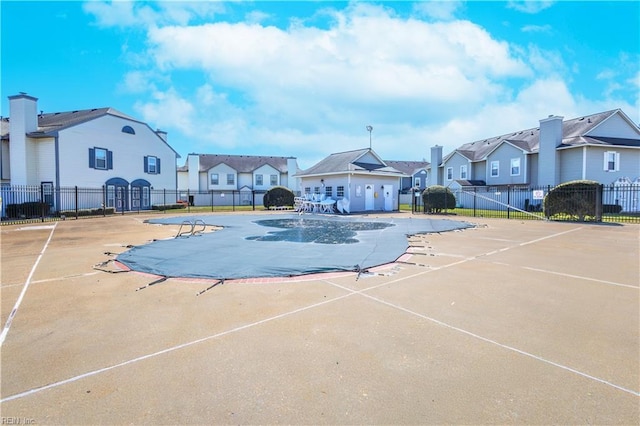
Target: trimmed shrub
x=163 y=207
x=437 y=198
x=29 y=209
x=278 y=196
x=88 y=212
x=576 y=199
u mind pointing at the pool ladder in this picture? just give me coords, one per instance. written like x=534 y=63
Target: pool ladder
x=192 y=228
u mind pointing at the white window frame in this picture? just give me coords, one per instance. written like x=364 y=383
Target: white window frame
x=495 y=163
x=100 y=157
x=273 y=180
x=215 y=179
x=416 y=182
x=328 y=191
x=449 y=173
x=515 y=164
x=463 y=172
x=231 y=179
x=152 y=165
x=340 y=191
x=259 y=180
x=145 y=196
x=611 y=161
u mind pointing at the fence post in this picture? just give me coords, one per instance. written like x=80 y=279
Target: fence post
x=164 y=200
x=211 y=201
x=104 y=200
x=76 y=198
x=599 y=191
x=42 y=202
x=475 y=199
x=508 y=201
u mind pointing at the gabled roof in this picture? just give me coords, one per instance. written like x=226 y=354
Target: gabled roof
x=50 y=123
x=408 y=167
x=240 y=163
x=349 y=161
x=573 y=133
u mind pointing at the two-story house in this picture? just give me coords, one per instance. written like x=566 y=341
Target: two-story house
x=602 y=147
x=204 y=174
x=98 y=148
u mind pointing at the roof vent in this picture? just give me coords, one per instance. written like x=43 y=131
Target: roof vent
x=589 y=120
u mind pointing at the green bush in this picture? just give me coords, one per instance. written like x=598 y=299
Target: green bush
x=163 y=207
x=278 y=196
x=437 y=198
x=576 y=199
x=88 y=212
x=29 y=209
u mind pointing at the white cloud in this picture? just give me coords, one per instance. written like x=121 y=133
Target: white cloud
x=529 y=6
x=309 y=90
x=536 y=28
x=440 y=10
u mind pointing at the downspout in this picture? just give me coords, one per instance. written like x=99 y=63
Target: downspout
x=584 y=163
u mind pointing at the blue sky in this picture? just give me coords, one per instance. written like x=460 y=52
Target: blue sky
x=304 y=79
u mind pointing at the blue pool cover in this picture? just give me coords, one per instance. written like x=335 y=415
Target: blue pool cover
x=253 y=246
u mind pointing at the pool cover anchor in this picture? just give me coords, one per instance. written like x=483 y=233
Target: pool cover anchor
x=210 y=287
x=158 y=281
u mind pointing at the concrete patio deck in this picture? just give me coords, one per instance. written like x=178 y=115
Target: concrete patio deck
x=511 y=322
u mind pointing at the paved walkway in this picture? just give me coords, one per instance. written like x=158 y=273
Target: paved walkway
x=511 y=322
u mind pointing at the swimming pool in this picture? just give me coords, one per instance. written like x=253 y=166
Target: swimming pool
x=252 y=246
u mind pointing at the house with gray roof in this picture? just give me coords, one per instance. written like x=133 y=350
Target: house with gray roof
x=93 y=148
x=203 y=174
x=417 y=173
x=604 y=147
x=359 y=178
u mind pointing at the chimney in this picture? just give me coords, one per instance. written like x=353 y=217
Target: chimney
x=23 y=119
x=193 y=160
x=549 y=140
x=293 y=183
x=436 y=160
x=162 y=134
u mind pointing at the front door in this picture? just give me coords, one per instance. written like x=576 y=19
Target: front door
x=368 y=196
x=388 y=197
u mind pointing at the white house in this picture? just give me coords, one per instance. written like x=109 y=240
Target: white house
x=206 y=173
x=359 y=178
x=95 y=148
x=602 y=147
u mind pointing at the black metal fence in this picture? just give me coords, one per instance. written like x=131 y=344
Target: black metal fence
x=612 y=203
x=45 y=202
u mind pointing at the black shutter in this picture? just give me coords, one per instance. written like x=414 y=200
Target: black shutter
x=109 y=160
x=92 y=158
x=157 y=165
x=146 y=164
